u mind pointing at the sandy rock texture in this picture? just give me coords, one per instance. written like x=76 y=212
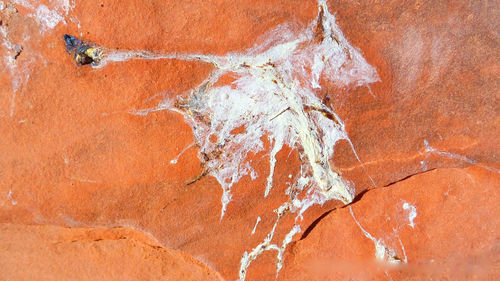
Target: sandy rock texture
x=36 y=252
x=107 y=172
x=433 y=226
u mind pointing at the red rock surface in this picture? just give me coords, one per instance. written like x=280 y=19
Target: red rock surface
x=452 y=237
x=59 y=253
x=73 y=158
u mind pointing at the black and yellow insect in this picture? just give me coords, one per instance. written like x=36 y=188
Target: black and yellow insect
x=83 y=53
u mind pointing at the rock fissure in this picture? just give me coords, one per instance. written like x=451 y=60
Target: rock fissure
x=409 y=176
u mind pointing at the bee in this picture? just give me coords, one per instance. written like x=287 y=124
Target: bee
x=83 y=53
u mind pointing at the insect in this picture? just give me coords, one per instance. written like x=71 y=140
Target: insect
x=83 y=53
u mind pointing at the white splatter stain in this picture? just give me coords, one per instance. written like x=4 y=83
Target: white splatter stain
x=405 y=260
x=48 y=16
x=10 y=62
x=255 y=227
x=266 y=245
x=432 y=150
x=174 y=161
x=30 y=4
x=19 y=72
x=165 y=104
x=9 y=197
x=273 y=96
x=412 y=213
x=382 y=252
x=288 y=238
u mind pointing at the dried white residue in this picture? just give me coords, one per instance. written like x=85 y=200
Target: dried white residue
x=382 y=252
x=48 y=16
x=9 y=59
x=9 y=197
x=174 y=161
x=449 y=155
x=266 y=245
x=19 y=72
x=412 y=213
x=273 y=96
x=255 y=227
x=30 y=4
x=165 y=104
x=288 y=238
x=405 y=260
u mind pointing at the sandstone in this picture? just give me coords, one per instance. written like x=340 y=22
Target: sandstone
x=30 y=252
x=433 y=226
x=89 y=150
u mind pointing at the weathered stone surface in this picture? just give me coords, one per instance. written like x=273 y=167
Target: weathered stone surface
x=29 y=252
x=75 y=153
x=439 y=83
x=438 y=225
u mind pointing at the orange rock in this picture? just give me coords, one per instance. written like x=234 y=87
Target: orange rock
x=89 y=147
x=434 y=225
x=58 y=253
